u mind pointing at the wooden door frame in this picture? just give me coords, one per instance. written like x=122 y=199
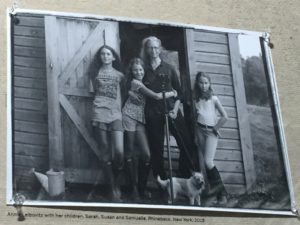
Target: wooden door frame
x=56 y=91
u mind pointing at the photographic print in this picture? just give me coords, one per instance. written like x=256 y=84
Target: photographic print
x=132 y=113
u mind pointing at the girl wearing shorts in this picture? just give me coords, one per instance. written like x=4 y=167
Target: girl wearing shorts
x=137 y=153
x=107 y=116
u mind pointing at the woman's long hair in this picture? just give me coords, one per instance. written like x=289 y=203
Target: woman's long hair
x=198 y=93
x=143 y=54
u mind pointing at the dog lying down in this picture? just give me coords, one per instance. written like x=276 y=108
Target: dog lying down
x=190 y=188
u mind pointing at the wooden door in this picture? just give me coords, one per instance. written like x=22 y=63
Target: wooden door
x=217 y=53
x=71 y=45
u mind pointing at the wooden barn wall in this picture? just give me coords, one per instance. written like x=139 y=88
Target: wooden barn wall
x=209 y=52
x=29 y=101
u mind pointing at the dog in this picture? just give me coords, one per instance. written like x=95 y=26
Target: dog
x=190 y=188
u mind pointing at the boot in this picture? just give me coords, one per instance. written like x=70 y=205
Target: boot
x=131 y=172
x=143 y=173
x=116 y=185
x=217 y=187
x=109 y=175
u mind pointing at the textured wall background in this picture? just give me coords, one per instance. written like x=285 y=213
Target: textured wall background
x=280 y=18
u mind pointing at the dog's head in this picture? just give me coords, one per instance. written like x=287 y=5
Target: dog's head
x=198 y=180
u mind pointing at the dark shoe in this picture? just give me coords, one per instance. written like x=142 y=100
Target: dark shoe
x=222 y=199
x=216 y=185
x=143 y=173
x=116 y=195
x=131 y=172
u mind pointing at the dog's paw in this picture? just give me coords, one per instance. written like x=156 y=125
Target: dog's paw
x=198 y=200
x=198 y=203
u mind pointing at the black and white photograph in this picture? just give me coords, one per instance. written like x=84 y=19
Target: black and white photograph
x=132 y=113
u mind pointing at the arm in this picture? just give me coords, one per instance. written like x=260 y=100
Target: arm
x=91 y=87
x=174 y=111
x=122 y=87
x=177 y=87
x=157 y=96
x=223 y=114
x=176 y=84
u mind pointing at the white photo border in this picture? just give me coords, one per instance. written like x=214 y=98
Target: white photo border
x=270 y=74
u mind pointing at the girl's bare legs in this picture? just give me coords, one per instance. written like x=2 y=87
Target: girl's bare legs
x=118 y=155
x=131 y=162
x=103 y=143
x=144 y=163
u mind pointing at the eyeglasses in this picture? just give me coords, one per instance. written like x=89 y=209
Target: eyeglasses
x=155 y=48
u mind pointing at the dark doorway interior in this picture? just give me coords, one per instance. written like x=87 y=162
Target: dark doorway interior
x=173 y=39
x=131 y=36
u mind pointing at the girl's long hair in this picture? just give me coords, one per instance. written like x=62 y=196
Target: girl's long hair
x=97 y=63
x=198 y=93
x=133 y=61
x=116 y=63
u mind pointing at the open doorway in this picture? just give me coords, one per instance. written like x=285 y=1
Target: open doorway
x=173 y=44
x=132 y=34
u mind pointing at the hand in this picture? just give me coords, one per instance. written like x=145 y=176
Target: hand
x=134 y=96
x=216 y=132
x=175 y=93
x=173 y=114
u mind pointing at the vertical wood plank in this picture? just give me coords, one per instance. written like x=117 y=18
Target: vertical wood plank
x=244 y=126
x=56 y=154
x=111 y=35
x=191 y=69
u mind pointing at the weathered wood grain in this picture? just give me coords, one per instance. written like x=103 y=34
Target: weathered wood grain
x=213 y=68
x=31 y=150
x=229 y=144
x=244 y=126
x=30 y=93
x=213 y=37
x=30 y=161
x=29 y=62
x=30 y=83
x=224 y=90
x=31 y=138
x=29 y=31
x=31 y=21
x=210 y=47
x=233 y=155
x=79 y=124
x=34 y=116
x=233 y=178
x=29 y=52
x=212 y=58
x=56 y=154
x=31 y=127
x=229 y=166
x=81 y=53
x=22 y=71
x=30 y=104
x=29 y=41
